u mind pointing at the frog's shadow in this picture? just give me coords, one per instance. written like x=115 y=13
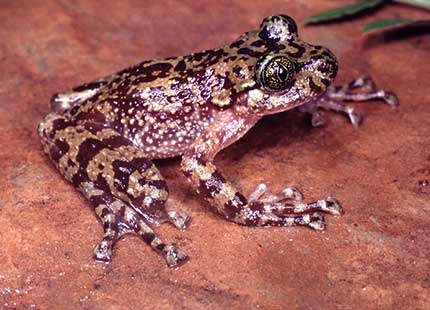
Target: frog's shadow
x=277 y=130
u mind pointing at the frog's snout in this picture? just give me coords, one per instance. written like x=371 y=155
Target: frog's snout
x=331 y=63
x=323 y=63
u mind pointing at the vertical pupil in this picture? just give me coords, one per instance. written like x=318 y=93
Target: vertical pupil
x=282 y=73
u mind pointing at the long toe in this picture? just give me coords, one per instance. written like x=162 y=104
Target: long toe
x=175 y=257
x=103 y=251
x=391 y=99
x=316 y=221
x=332 y=206
x=354 y=117
x=292 y=192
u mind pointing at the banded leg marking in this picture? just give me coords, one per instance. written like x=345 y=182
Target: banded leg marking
x=125 y=188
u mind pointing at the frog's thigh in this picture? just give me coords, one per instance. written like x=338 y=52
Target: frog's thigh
x=123 y=185
x=90 y=153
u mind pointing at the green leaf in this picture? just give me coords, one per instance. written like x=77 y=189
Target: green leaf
x=344 y=11
x=420 y=3
x=385 y=24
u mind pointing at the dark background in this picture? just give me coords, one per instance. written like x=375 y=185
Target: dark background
x=375 y=256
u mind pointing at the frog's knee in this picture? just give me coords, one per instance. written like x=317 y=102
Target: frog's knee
x=62 y=102
x=140 y=180
x=50 y=124
x=47 y=129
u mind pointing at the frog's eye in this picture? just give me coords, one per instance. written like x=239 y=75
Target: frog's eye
x=277 y=27
x=275 y=72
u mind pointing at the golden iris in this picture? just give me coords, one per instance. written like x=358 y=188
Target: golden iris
x=275 y=72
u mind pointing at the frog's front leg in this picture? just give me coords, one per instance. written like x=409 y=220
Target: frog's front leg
x=330 y=100
x=126 y=190
x=285 y=209
x=230 y=203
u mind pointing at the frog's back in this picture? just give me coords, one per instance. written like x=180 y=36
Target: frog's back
x=160 y=105
x=164 y=105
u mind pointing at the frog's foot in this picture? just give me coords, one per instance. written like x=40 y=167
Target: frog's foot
x=328 y=205
x=125 y=188
x=174 y=256
x=345 y=92
x=119 y=219
x=290 y=214
x=277 y=204
x=330 y=100
x=281 y=209
x=313 y=220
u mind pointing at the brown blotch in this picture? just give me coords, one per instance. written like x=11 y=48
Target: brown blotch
x=122 y=171
x=234 y=205
x=180 y=66
x=148 y=237
x=58 y=150
x=250 y=52
x=87 y=150
x=237 y=43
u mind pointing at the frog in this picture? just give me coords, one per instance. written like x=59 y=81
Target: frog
x=103 y=136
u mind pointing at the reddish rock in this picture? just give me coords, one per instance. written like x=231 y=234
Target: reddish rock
x=375 y=256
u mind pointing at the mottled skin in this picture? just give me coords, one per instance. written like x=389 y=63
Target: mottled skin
x=103 y=135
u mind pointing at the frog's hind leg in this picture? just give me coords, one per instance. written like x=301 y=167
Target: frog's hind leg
x=126 y=189
x=334 y=94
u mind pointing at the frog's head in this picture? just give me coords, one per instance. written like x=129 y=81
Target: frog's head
x=284 y=71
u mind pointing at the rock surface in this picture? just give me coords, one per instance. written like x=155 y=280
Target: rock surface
x=375 y=256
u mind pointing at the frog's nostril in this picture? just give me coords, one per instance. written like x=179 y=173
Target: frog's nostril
x=331 y=56
x=331 y=63
x=325 y=62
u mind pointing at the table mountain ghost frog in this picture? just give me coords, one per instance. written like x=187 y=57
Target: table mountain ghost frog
x=102 y=136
